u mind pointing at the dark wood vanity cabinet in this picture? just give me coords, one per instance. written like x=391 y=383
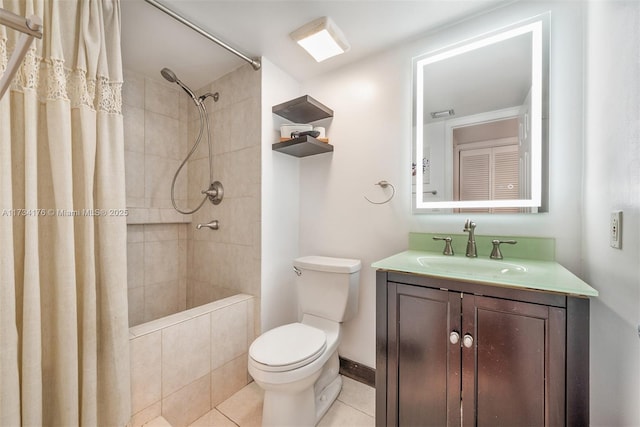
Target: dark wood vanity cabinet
x=461 y=354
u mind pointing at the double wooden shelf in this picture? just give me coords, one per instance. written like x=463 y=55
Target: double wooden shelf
x=303 y=110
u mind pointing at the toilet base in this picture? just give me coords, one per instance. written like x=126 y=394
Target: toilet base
x=327 y=397
x=284 y=407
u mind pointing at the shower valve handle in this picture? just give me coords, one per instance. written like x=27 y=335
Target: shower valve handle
x=215 y=192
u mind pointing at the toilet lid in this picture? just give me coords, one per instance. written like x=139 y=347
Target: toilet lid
x=288 y=347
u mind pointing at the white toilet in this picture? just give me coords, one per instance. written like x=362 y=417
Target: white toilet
x=297 y=364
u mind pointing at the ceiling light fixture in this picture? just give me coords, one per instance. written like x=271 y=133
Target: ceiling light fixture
x=321 y=38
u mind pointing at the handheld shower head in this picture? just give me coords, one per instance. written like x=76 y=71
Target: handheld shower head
x=171 y=77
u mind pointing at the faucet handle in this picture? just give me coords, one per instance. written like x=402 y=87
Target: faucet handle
x=448 y=250
x=469 y=225
x=496 y=253
x=215 y=192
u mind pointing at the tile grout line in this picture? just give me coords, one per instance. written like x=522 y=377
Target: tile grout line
x=350 y=405
x=225 y=415
x=353 y=407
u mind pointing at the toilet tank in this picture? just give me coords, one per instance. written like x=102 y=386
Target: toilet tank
x=328 y=287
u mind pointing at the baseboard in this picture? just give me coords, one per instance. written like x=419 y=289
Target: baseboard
x=358 y=372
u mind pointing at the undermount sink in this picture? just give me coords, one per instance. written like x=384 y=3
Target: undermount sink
x=470 y=266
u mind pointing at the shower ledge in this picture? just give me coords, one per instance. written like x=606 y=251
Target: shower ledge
x=139 y=216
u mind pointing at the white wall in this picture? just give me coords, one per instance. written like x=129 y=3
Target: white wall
x=612 y=182
x=280 y=205
x=371 y=132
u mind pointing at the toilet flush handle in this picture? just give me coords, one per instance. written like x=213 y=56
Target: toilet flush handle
x=297 y=270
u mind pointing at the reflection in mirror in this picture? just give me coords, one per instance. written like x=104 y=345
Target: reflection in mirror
x=479 y=123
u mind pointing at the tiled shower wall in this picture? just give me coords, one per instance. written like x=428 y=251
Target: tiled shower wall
x=187 y=363
x=171 y=265
x=156 y=270
x=227 y=261
x=155 y=136
x=155 y=133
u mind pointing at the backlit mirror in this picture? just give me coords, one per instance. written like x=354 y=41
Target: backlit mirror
x=479 y=123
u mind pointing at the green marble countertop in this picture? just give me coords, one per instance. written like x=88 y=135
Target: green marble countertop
x=540 y=275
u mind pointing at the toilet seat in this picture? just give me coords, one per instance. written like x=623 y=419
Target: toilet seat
x=288 y=347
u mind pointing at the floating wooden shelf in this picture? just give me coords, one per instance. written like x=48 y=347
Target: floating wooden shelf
x=303 y=146
x=303 y=110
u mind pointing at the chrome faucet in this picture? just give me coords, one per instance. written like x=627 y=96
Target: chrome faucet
x=448 y=250
x=469 y=227
x=496 y=253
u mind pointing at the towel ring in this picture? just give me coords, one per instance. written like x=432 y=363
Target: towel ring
x=383 y=184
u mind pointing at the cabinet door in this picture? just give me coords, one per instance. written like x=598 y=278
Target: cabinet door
x=513 y=373
x=424 y=390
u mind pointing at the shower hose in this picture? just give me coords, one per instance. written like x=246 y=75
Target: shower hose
x=203 y=119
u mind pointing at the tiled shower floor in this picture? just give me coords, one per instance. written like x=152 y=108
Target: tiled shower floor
x=353 y=408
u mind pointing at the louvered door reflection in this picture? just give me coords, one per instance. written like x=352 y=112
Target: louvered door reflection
x=475 y=174
x=505 y=173
x=489 y=174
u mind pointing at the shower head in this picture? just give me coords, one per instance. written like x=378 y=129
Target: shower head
x=171 y=77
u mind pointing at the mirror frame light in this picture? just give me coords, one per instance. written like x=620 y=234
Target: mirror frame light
x=537 y=26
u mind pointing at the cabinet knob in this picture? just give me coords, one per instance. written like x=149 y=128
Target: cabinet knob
x=467 y=341
x=454 y=337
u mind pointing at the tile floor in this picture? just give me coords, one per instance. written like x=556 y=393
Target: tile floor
x=353 y=408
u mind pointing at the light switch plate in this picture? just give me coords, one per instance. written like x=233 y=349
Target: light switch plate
x=615 y=230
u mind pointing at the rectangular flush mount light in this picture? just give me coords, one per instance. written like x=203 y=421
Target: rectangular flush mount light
x=321 y=38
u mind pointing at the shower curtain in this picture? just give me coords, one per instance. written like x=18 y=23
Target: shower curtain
x=64 y=355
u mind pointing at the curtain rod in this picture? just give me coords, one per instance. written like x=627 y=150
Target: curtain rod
x=30 y=27
x=255 y=63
